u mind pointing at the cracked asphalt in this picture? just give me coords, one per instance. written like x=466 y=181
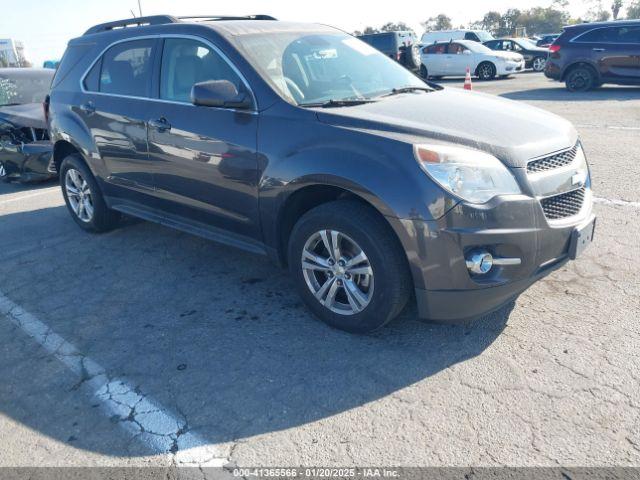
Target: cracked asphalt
x=218 y=339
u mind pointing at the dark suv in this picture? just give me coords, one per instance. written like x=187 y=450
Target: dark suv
x=304 y=144
x=586 y=56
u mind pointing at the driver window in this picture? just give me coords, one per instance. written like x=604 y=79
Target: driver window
x=186 y=62
x=456 y=49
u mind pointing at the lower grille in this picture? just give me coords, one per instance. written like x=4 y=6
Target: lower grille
x=564 y=205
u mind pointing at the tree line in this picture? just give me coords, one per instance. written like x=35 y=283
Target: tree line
x=533 y=21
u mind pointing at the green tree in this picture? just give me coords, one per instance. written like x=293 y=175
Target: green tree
x=439 y=22
x=633 y=11
x=543 y=20
x=492 y=22
x=616 y=6
x=395 y=27
x=366 y=31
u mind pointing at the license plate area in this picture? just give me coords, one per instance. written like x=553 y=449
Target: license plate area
x=581 y=238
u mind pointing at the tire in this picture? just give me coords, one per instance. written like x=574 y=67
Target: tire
x=581 y=79
x=538 y=64
x=424 y=73
x=486 y=71
x=412 y=54
x=75 y=176
x=361 y=229
x=4 y=175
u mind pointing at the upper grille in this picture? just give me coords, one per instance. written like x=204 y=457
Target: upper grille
x=554 y=161
x=563 y=205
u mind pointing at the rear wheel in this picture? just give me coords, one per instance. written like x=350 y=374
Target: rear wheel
x=580 y=79
x=424 y=73
x=486 y=71
x=348 y=266
x=4 y=176
x=538 y=64
x=83 y=197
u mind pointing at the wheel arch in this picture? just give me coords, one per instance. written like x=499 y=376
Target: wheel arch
x=580 y=63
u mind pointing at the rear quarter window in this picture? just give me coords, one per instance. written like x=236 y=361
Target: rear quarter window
x=73 y=55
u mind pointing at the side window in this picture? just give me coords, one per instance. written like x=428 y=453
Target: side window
x=456 y=49
x=126 y=69
x=628 y=35
x=436 y=49
x=471 y=36
x=92 y=80
x=186 y=62
x=493 y=45
x=597 y=35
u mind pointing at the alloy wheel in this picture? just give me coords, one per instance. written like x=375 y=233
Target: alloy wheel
x=486 y=71
x=579 y=80
x=539 y=63
x=337 y=272
x=79 y=195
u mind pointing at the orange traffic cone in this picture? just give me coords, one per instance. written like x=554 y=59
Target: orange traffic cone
x=467 y=80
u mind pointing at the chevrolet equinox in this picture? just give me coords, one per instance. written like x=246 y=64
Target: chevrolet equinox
x=305 y=144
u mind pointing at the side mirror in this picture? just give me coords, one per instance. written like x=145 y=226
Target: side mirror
x=466 y=52
x=219 y=93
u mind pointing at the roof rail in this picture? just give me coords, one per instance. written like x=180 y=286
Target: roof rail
x=205 y=18
x=164 y=19
x=130 y=22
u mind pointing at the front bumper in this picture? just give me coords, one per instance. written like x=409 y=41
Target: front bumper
x=509 y=67
x=27 y=162
x=507 y=227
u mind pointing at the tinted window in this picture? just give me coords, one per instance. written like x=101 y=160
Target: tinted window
x=456 y=49
x=381 y=42
x=600 y=35
x=493 y=45
x=471 y=36
x=628 y=34
x=126 y=69
x=92 y=80
x=439 y=48
x=187 y=62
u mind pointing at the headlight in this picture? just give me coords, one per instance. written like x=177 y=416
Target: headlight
x=474 y=176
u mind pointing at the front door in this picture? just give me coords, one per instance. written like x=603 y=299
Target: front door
x=205 y=161
x=459 y=58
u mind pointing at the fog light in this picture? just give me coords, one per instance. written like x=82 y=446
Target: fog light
x=480 y=263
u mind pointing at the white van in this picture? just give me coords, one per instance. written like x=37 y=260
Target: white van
x=448 y=35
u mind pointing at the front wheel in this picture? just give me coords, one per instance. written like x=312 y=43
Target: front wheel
x=486 y=71
x=538 y=64
x=83 y=197
x=424 y=73
x=348 y=266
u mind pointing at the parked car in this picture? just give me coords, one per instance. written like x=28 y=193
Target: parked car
x=307 y=145
x=401 y=46
x=25 y=150
x=547 y=39
x=479 y=36
x=453 y=58
x=588 y=55
x=534 y=57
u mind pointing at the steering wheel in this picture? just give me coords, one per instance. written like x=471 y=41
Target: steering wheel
x=294 y=89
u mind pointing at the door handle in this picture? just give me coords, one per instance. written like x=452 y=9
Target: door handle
x=88 y=108
x=161 y=125
x=598 y=49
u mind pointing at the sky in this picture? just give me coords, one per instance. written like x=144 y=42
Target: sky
x=45 y=27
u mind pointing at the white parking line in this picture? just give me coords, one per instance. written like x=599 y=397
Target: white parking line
x=610 y=127
x=44 y=191
x=142 y=417
x=619 y=203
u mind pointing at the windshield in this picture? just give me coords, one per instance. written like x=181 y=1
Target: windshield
x=315 y=68
x=478 y=47
x=484 y=36
x=526 y=44
x=24 y=87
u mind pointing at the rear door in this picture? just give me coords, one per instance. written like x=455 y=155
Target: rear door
x=205 y=161
x=115 y=100
x=433 y=57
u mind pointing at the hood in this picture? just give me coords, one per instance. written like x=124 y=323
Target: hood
x=512 y=131
x=514 y=56
x=30 y=115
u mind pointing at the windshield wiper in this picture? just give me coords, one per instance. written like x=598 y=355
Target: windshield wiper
x=10 y=104
x=398 y=91
x=347 y=102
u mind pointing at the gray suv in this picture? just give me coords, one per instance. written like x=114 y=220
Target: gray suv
x=304 y=144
